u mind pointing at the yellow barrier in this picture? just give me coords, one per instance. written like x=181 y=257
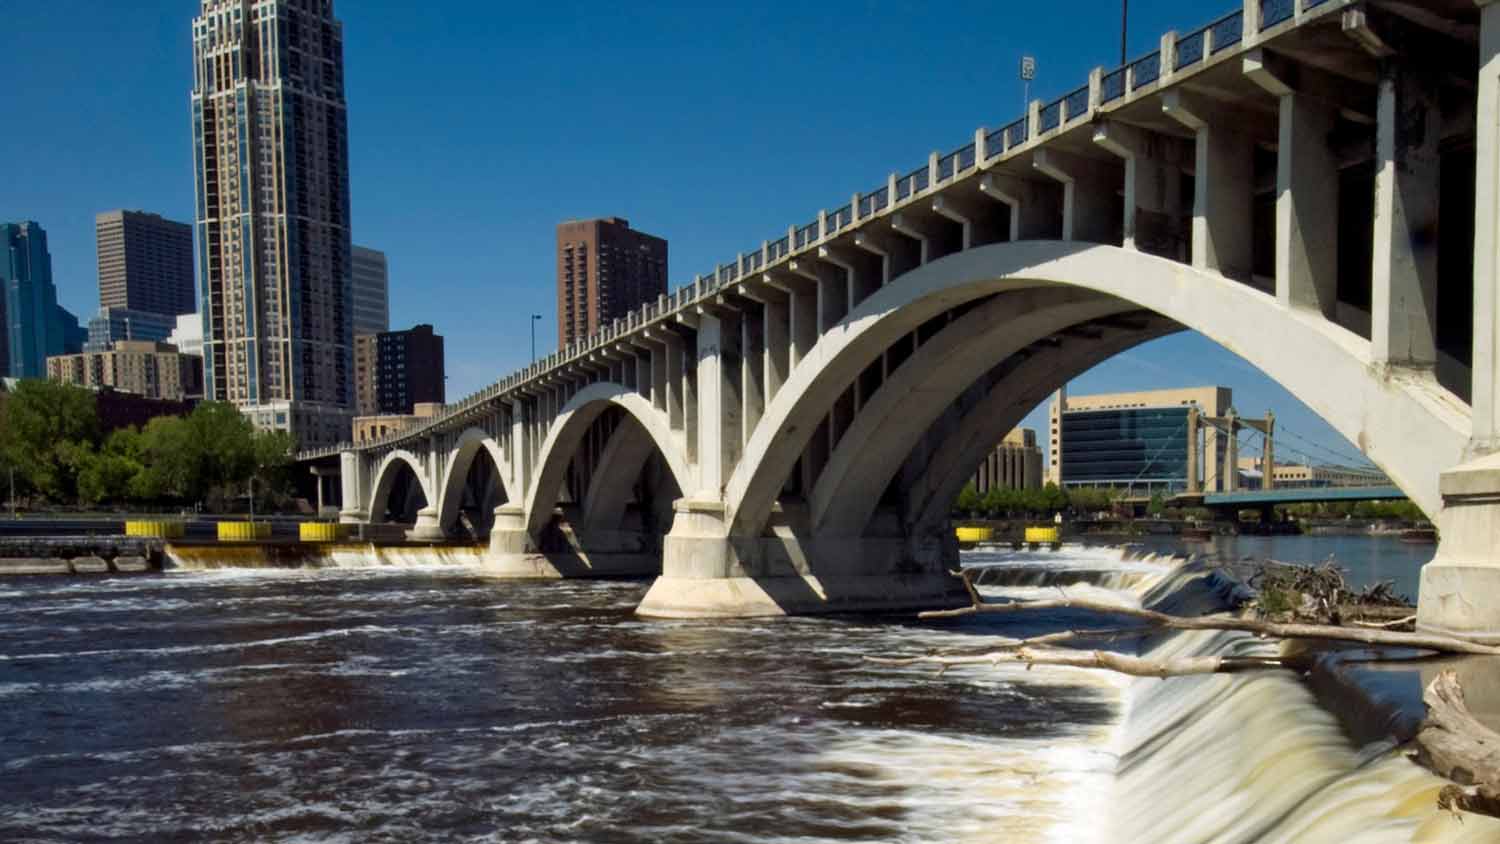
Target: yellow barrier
x=976 y=534
x=322 y=531
x=156 y=529
x=1043 y=535
x=244 y=531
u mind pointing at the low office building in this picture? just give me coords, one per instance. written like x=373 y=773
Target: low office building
x=1145 y=443
x=394 y=371
x=112 y=325
x=150 y=370
x=1302 y=476
x=1016 y=463
x=367 y=428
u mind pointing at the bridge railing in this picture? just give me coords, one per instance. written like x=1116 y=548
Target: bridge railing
x=1189 y=51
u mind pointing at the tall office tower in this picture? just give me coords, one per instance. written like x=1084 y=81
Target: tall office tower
x=145 y=263
x=270 y=135
x=605 y=269
x=35 y=327
x=372 y=304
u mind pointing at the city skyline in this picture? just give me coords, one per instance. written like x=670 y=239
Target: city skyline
x=483 y=205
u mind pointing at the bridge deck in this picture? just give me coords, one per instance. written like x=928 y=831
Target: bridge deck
x=1208 y=53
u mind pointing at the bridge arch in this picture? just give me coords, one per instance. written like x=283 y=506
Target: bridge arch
x=1404 y=421
x=466 y=449
x=572 y=423
x=386 y=474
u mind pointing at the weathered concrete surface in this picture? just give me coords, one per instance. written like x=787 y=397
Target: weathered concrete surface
x=78 y=555
x=33 y=565
x=131 y=564
x=89 y=565
x=1458 y=590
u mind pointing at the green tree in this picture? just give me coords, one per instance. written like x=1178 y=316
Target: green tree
x=1157 y=506
x=968 y=502
x=1053 y=499
x=50 y=430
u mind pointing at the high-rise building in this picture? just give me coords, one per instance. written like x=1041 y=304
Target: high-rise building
x=398 y=370
x=372 y=303
x=1144 y=442
x=271 y=156
x=35 y=326
x=145 y=262
x=113 y=325
x=153 y=370
x=1016 y=463
x=605 y=269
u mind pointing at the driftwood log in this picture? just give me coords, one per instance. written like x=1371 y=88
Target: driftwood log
x=1282 y=630
x=1454 y=745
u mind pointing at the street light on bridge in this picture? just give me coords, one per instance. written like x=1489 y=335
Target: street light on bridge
x=534 y=318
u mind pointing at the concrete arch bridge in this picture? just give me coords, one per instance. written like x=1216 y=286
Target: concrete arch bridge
x=1297 y=181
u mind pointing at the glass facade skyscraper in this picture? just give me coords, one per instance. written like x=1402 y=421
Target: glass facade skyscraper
x=271 y=167
x=35 y=327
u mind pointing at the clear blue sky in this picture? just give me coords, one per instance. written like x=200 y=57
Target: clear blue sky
x=476 y=126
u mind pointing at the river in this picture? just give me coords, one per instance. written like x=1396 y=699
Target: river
x=398 y=704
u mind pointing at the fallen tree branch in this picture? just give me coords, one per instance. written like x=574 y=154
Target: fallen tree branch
x=1453 y=744
x=1364 y=635
x=1386 y=625
x=1133 y=665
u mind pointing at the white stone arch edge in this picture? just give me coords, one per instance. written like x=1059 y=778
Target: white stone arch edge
x=565 y=432
x=460 y=459
x=385 y=478
x=1404 y=421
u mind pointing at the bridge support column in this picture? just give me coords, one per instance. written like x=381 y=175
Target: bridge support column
x=1460 y=591
x=707 y=573
x=427 y=528
x=1486 y=393
x=355 y=481
x=513 y=554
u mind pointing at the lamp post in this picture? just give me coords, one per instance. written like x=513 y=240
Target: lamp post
x=1124 y=29
x=1028 y=73
x=534 y=318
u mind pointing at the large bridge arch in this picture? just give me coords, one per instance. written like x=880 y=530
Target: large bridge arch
x=1403 y=421
x=460 y=460
x=572 y=423
x=385 y=479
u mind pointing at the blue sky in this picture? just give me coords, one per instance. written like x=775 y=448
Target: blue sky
x=476 y=126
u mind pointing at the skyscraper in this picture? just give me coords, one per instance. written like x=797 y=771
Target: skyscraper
x=145 y=263
x=372 y=306
x=270 y=135
x=604 y=270
x=35 y=327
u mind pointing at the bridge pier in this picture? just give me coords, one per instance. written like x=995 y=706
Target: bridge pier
x=706 y=573
x=1460 y=588
x=563 y=552
x=427 y=528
